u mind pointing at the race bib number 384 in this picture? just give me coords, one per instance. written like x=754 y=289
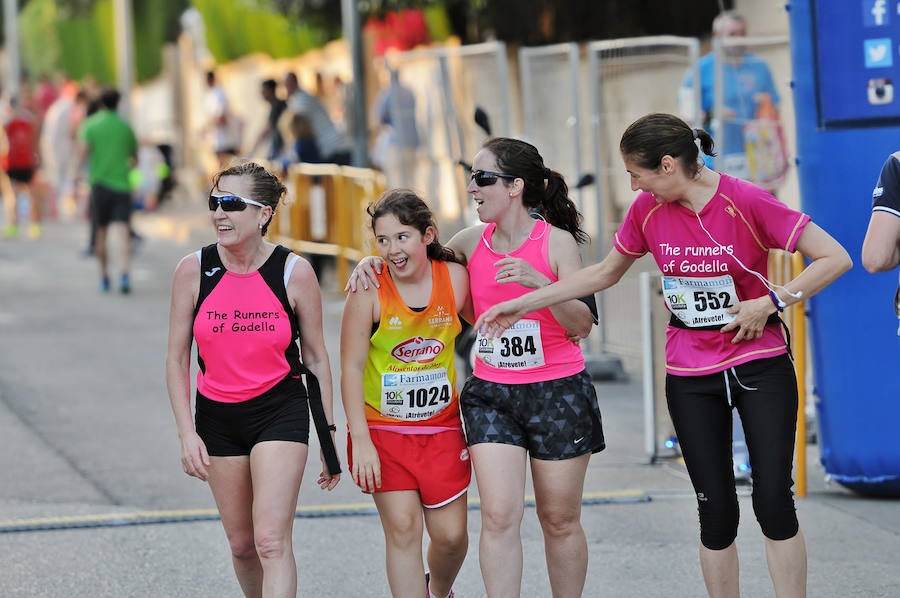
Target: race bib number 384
x=700 y=301
x=518 y=348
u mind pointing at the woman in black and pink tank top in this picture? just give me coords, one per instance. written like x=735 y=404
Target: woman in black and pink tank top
x=247 y=303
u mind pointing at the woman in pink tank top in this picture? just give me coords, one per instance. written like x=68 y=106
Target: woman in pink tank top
x=247 y=303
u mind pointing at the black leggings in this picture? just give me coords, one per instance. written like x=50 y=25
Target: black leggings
x=764 y=392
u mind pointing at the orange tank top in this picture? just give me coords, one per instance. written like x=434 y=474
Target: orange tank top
x=410 y=376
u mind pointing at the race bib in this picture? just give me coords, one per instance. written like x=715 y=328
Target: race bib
x=415 y=396
x=701 y=301
x=518 y=348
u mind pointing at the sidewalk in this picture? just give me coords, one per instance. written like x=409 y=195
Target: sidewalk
x=91 y=453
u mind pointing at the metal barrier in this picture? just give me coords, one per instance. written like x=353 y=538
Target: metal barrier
x=553 y=122
x=618 y=74
x=448 y=83
x=326 y=213
x=783 y=267
x=619 y=71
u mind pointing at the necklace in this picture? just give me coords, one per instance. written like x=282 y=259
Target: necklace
x=528 y=237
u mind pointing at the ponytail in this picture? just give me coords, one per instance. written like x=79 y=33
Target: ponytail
x=545 y=192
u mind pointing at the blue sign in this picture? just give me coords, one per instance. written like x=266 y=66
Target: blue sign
x=857 y=53
x=878 y=53
x=876 y=13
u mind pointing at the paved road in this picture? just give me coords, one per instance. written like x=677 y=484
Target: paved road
x=90 y=453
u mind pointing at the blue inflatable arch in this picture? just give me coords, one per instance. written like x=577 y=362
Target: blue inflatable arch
x=840 y=52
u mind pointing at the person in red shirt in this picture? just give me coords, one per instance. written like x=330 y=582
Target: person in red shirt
x=19 y=161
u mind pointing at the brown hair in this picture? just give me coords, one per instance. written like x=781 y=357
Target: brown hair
x=265 y=187
x=411 y=210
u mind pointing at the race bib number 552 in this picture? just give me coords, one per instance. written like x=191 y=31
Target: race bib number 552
x=700 y=301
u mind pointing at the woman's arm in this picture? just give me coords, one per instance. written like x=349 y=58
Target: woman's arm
x=829 y=260
x=306 y=299
x=574 y=315
x=580 y=283
x=185 y=289
x=459 y=278
x=881 y=247
x=356 y=326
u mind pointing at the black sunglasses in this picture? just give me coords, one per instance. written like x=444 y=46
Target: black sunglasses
x=486 y=178
x=231 y=203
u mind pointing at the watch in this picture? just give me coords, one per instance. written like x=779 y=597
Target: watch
x=779 y=304
x=332 y=427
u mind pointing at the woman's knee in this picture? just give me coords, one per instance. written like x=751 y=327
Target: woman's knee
x=559 y=521
x=451 y=540
x=242 y=545
x=451 y=547
x=272 y=544
x=403 y=531
x=718 y=522
x=501 y=518
x=776 y=514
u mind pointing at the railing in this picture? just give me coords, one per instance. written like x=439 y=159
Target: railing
x=783 y=267
x=325 y=213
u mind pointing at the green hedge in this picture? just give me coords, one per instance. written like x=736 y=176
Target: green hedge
x=239 y=28
x=83 y=45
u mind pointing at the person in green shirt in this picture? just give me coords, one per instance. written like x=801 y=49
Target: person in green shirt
x=109 y=146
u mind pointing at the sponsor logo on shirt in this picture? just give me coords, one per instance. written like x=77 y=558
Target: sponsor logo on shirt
x=418 y=350
x=441 y=319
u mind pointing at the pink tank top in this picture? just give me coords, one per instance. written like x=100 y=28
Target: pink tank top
x=536 y=348
x=245 y=338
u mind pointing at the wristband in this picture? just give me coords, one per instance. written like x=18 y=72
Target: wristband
x=779 y=304
x=332 y=427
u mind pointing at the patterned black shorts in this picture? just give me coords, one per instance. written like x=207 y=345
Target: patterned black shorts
x=552 y=420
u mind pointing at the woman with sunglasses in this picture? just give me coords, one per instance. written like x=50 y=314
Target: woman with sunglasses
x=529 y=399
x=711 y=234
x=247 y=302
x=398 y=385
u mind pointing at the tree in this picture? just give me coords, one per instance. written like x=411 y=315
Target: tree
x=76 y=37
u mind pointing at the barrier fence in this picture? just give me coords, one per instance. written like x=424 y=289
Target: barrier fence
x=448 y=83
x=325 y=213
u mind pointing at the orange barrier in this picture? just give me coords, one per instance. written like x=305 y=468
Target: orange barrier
x=783 y=267
x=325 y=213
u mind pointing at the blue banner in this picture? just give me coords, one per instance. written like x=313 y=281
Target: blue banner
x=857 y=54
